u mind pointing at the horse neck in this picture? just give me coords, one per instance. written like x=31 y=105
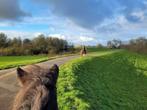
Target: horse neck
x=31 y=97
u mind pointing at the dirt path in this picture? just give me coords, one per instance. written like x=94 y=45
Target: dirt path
x=9 y=85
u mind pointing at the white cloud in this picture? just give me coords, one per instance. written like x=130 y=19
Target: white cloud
x=22 y=34
x=138 y=14
x=86 y=39
x=2 y=24
x=38 y=20
x=58 y=36
x=37 y=34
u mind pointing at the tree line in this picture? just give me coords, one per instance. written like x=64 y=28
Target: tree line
x=138 y=45
x=39 y=45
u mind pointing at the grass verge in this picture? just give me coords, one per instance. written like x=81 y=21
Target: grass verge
x=116 y=81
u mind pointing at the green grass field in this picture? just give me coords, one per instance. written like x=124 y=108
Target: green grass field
x=13 y=61
x=115 y=80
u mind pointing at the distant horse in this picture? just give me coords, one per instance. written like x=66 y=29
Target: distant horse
x=83 y=52
x=38 y=90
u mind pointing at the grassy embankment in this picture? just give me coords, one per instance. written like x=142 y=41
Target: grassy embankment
x=104 y=81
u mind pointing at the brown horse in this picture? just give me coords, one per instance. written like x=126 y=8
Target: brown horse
x=38 y=90
x=83 y=51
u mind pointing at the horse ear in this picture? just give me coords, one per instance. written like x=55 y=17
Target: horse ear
x=20 y=72
x=54 y=71
x=55 y=68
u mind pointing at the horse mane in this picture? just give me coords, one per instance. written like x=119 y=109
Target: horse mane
x=35 y=93
x=33 y=96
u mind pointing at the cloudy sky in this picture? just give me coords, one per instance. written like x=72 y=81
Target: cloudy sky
x=78 y=21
